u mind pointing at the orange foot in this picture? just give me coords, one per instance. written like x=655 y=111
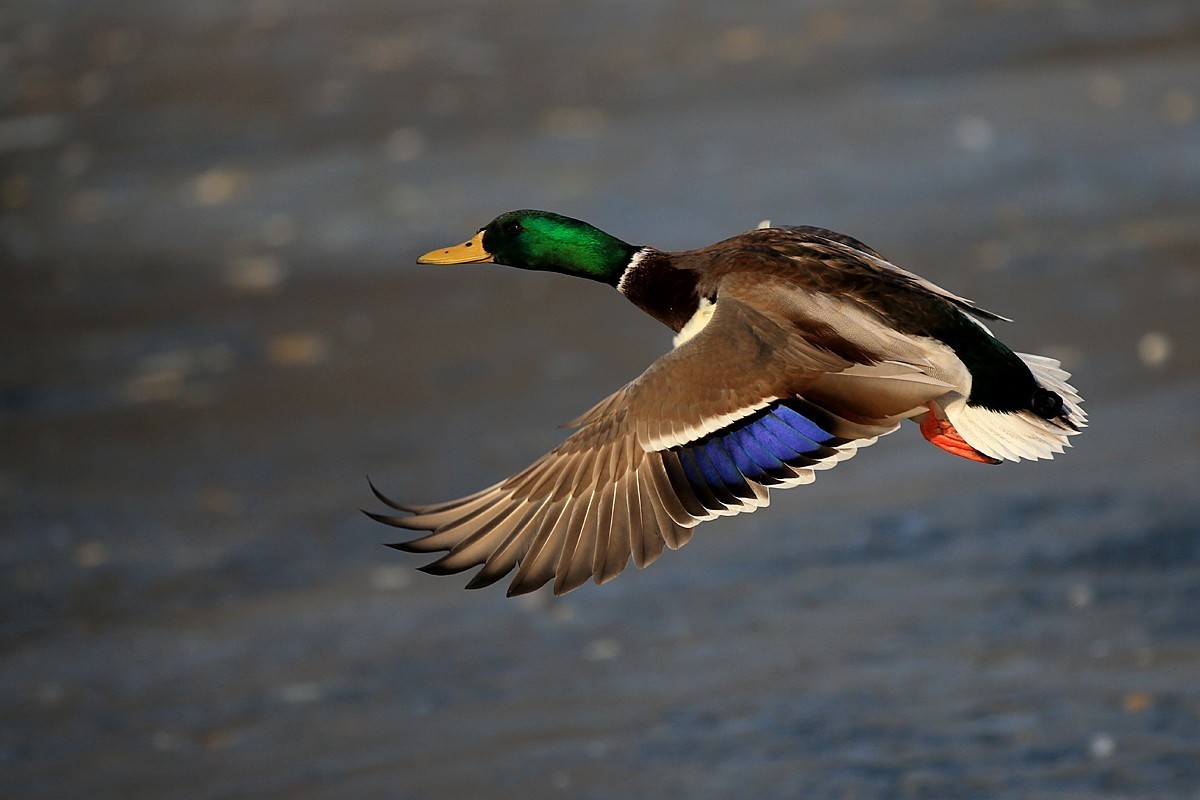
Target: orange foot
x=942 y=433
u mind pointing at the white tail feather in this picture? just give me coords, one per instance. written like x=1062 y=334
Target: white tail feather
x=1014 y=435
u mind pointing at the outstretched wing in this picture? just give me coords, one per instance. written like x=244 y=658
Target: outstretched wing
x=705 y=431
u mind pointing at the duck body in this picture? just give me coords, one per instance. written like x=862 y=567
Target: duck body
x=802 y=261
x=794 y=348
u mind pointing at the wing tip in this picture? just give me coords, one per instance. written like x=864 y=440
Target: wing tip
x=387 y=501
x=403 y=547
x=518 y=588
x=408 y=523
x=440 y=568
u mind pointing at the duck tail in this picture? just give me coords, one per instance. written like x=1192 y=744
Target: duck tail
x=1016 y=435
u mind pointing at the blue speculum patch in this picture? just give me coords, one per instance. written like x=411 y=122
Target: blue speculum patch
x=760 y=447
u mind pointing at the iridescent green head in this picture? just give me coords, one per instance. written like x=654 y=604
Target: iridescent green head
x=542 y=240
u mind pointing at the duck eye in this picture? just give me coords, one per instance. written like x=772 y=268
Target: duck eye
x=513 y=227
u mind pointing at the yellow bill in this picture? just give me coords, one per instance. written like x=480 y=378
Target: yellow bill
x=469 y=252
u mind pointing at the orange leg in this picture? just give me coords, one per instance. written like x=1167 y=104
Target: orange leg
x=941 y=433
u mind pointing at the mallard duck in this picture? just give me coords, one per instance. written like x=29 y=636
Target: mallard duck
x=794 y=348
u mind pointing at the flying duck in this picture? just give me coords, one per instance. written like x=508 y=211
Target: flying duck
x=794 y=348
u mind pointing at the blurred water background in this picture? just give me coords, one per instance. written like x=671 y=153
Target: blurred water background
x=212 y=328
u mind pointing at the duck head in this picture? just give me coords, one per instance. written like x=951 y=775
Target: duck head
x=544 y=241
